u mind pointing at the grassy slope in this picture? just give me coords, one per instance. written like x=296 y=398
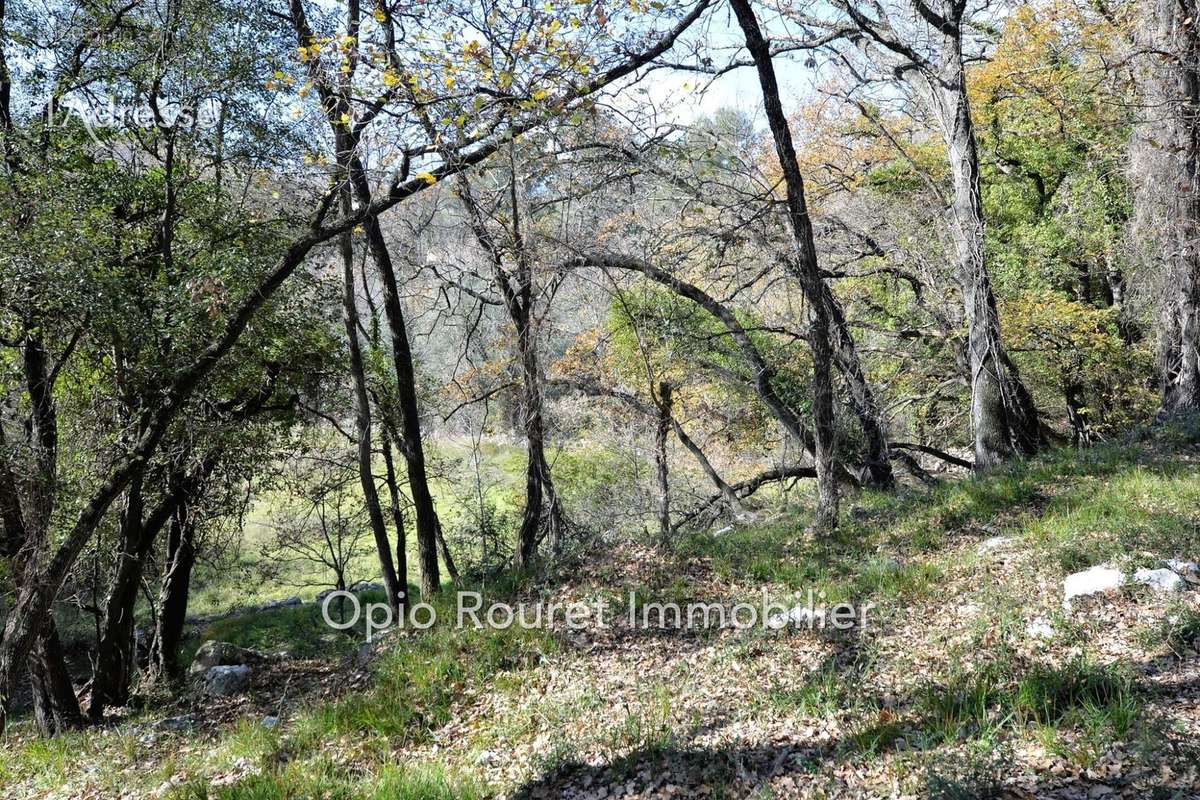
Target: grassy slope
x=943 y=695
x=583 y=472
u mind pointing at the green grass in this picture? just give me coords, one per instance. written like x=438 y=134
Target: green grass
x=300 y=631
x=324 y=779
x=830 y=688
x=1101 y=700
x=414 y=688
x=1127 y=504
x=416 y=685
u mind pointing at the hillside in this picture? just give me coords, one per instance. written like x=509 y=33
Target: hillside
x=969 y=680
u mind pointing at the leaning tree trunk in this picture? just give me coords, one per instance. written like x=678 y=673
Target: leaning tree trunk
x=1003 y=418
x=809 y=271
x=362 y=416
x=878 y=465
x=408 y=409
x=397 y=512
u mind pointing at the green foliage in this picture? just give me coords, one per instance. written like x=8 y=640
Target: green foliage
x=1070 y=351
x=649 y=322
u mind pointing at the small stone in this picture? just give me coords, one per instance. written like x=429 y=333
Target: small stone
x=289 y=602
x=226 y=680
x=485 y=757
x=270 y=723
x=797 y=615
x=179 y=724
x=994 y=543
x=1091 y=581
x=1183 y=567
x=1039 y=629
x=221 y=654
x=1160 y=580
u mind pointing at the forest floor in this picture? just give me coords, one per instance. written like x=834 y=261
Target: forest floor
x=969 y=680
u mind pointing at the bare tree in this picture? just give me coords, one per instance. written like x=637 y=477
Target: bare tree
x=927 y=46
x=325 y=529
x=815 y=291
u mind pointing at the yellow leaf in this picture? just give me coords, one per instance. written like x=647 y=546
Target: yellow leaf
x=428 y=177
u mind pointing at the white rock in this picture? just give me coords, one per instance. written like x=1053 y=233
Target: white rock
x=1091 y=581
x=224 y=681
x=994 y=543
x=485 y=757
x=289 y=602
x=1182 y=567
x=797 y=615
x=1160 y=580
x=270 y=722
x=1039 y=629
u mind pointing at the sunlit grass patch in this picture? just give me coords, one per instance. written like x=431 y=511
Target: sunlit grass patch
x=323 y=778
x=416 y=683
x=1103 y=701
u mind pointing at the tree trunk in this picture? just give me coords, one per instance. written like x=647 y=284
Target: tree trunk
x=447 y=559
x=1080 y=431
x=173 y=597
x=1180 y=346
x=397 y=521
x=1003 y=418
x=408 y=408
x=362 y=416
x=539 y=485
x=878 y=466
x=55 y=706
x=809 y=272
x=728 y=495
x=114 y=652
x=661 y=432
